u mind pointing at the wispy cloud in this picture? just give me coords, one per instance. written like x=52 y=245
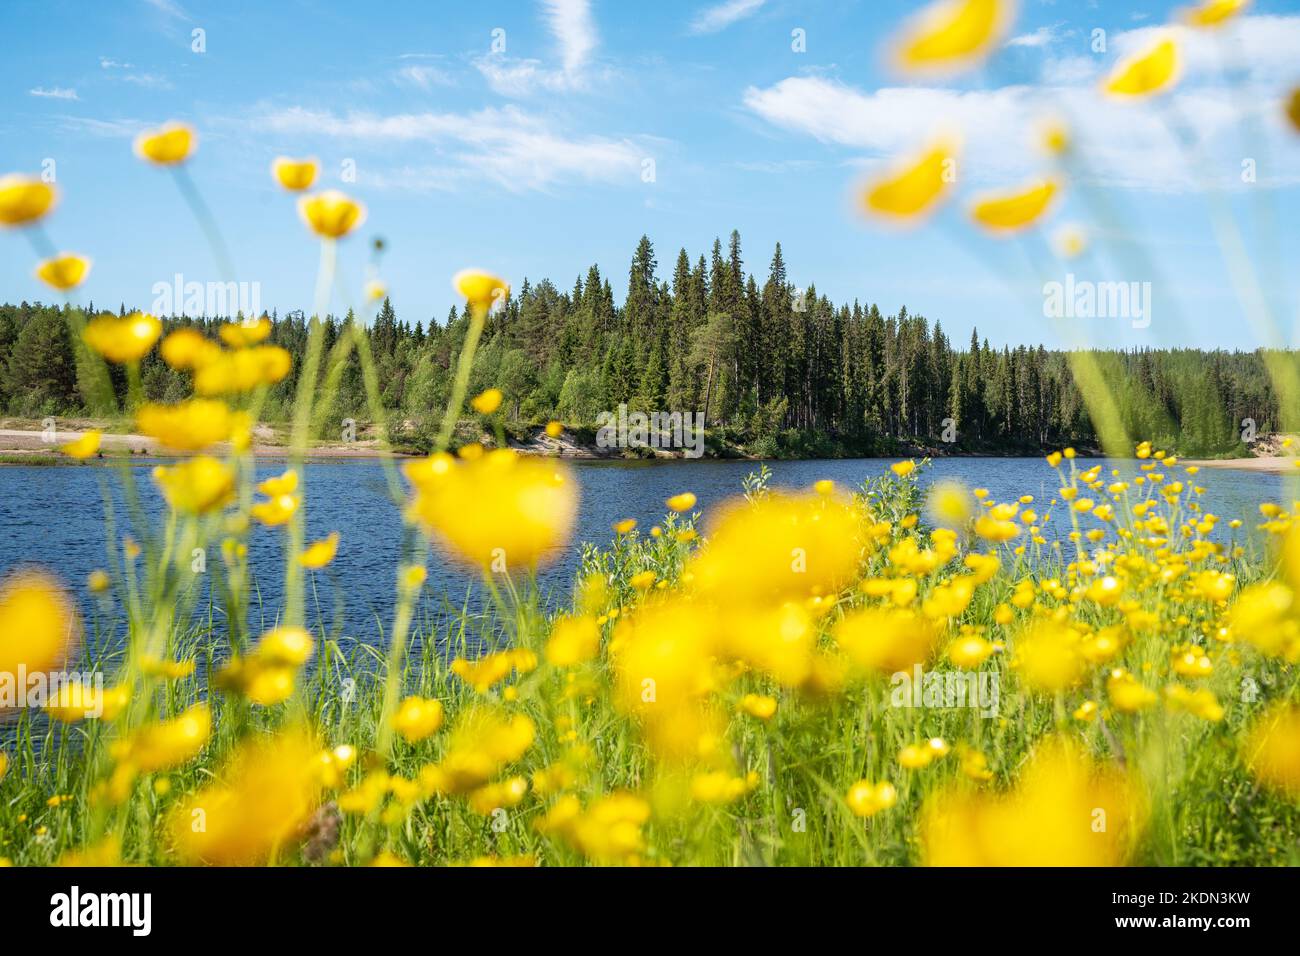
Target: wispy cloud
x=54 y=93
x=169 y=8
x=722 y=15
x=108 y=63
x=151 y=81
x=505 y=146
x=1043 y=36
x=424 y=76
x=574 y=30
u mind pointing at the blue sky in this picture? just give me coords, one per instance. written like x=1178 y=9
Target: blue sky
x=532 y=161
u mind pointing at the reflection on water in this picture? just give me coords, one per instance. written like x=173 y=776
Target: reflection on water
x=54 y=517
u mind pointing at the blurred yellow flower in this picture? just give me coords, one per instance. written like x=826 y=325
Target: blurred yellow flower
x=267 y=674
x=758 y=705
x=573 y=640
x=76 y=701
x=608 y=831
x=1049 y=657
x=196 y=486
x=24 y=199
x=683 y=502
x=1146 y=73
x=38 y=624
x=417 y=718
x=167 y=743
x=125 y=339
x=483 y=741
x=331 y=214
x=167 y=145
x=866 y=799
x=485 y=403
x=320 y=553
x=1070 y=241
x=65 y=271
x=294 y=175
x=187 y=348
x=1007 y=212
x=886 y=640
x=242 y=370
x=481 y=290
x=1212 y=13
x=1272 y=750
x=499 y=511
x=243 y=334
x=952 y=34
x=915 y=186
x=189 y=426
x=83 y=446
x=275 y=511
x=98 y=581
x=554 y=429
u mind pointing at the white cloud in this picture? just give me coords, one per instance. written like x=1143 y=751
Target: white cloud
x=722 y=15
x=111 y=64
x=570 y=21
x=151 y=81
x=54 y=93
x=424 y=77
x=505 y=146
x=1043 y=36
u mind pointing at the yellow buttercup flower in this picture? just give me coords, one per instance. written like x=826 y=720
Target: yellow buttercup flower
x=4 y=764
x=320 y=553
x=483 y=741
x=83 y=446
x=374 y=290
x=952 y=34
x=499 y=511
x=275 y=511
x=285 y=483
x=241 y=370
x=1272 y=750
x=1049 y=657
x=331 y=214
x=65 y=271
x=38 y=624
x=266 y=675
x=294 y=175
x=554 y=429
x=258 y=805
x=886 y=640
x=1212 y=13
x=76 y=701
x=626 y=526
x=573 y=640
x=1008 y=212
x=98 y=581
x=758 y=705
x=186 y=349
x=196 y=486
x=240 y=335
x=122 y=340
x=915 y=186
x=189 y=426
x=482 y=290
x=1147 y=73
x=903 y=468
x=487 y=402
x=417 y=718
x=683 y=502
x=608 y=831
x=167 y=743
x=167 y=145
x=24 y=199
x=866 y=799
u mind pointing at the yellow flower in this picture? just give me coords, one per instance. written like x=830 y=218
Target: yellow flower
x=241 y=370
x=952 y=34
x=607 y=831
x=167 y=743
x=320 y=553
x=720 y=786
x=483 y=741
x=122 y=340
x=4 y=764
x=38 y=625
x=554 y=429
x=496 y=796
x=331 y=214
x=189 y=426
x=258 y=805
x=499 y=511
x=886 y=640
x=83 y=446
x=65 y=271
x=487 y=402
x=374 y=290
x=185 y=349
x=1127 y=695
x=243 y=334
x=914 y=186
x=481 y=290
x=1007 y=212
x=275 y=511
x=683 y=502
x=573 y=640
x=1212 y=13
x=969 y=651
x=1064 y=811
x=98 y=581
x=1049 y=657
x=1147 y=73
x=285 y=483
x=77 y=701
x=24 y=199
x=491 y=669
x=1272 y=749
x=167 y=145
x=1070 y=241
x=866 y=799
x=625 y=526
x=266 y=675
x=758 y=705
x=294 y=175
x=196 y=486
x=903 y=468
x=949 y=504
x=417 y=718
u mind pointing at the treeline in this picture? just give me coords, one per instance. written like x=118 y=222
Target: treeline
x=775 y=369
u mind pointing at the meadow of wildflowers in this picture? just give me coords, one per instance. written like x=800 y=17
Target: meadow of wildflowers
x=866 y=675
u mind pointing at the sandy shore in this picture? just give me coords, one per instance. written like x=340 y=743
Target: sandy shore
x=1274 y=464
x=21 y=442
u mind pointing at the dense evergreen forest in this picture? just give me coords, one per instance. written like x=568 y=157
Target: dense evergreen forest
x=775 y=370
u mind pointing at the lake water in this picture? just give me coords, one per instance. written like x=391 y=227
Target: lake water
x=52 y=516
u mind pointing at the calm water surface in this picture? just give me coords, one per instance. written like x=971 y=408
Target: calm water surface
x=53 y=516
